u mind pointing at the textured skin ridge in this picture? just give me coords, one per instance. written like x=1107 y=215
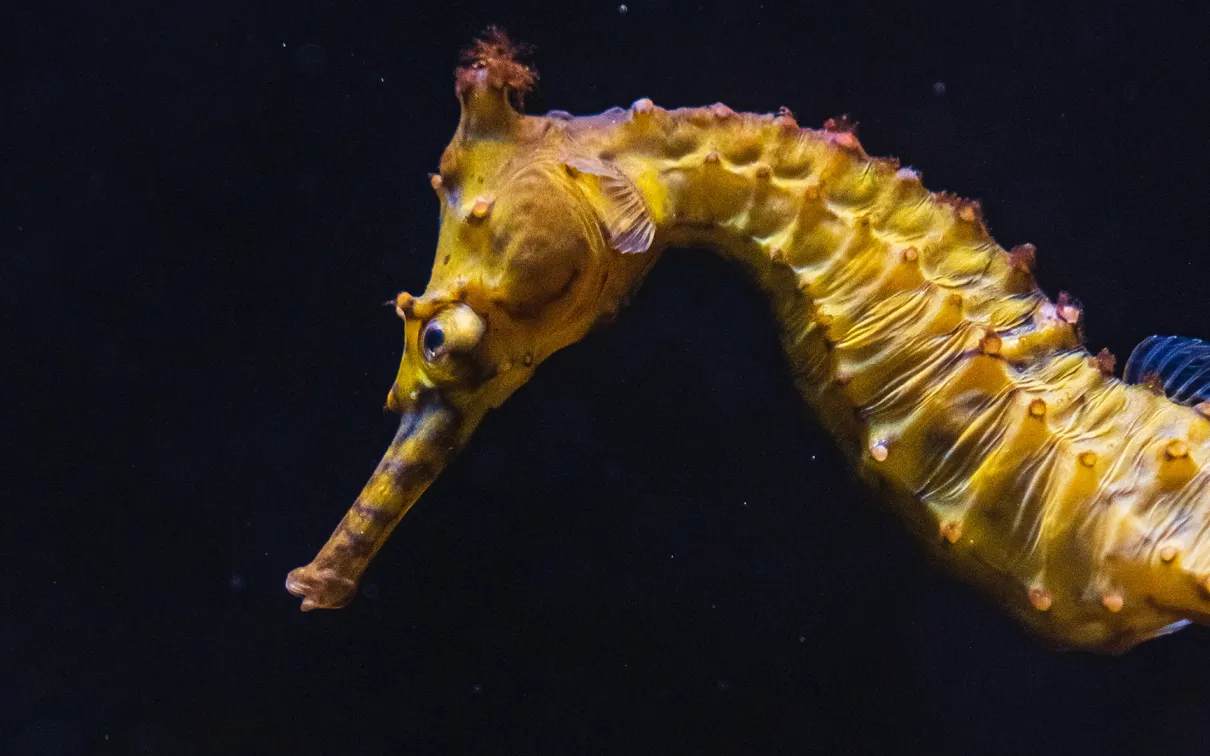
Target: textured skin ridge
x=1072 y=499
x=958 y=389
x=1007 y=491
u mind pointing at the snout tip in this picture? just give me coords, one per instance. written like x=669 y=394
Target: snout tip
x=320 y=587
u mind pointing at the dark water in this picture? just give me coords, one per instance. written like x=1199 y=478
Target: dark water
x=651 y=548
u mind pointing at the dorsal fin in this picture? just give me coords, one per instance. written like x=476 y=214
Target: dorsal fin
x=625 y=215
x=1179 y=364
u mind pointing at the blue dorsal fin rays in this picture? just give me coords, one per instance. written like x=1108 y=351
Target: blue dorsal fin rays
x=1179 y=364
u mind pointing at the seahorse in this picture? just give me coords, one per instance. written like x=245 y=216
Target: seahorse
x=961 y=393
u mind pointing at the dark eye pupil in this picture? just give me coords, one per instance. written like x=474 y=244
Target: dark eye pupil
x=434 y=337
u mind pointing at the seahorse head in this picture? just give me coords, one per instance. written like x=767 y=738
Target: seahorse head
x=537 y=243
x=539 y=240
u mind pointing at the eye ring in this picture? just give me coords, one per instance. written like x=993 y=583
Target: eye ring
x=455 y=330
x=432 y=340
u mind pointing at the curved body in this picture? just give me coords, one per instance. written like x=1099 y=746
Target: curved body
x=960 y=392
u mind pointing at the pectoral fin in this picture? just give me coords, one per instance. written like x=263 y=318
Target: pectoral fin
x=623 y=210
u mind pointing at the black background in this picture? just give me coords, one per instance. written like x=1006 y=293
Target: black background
x=651 y=548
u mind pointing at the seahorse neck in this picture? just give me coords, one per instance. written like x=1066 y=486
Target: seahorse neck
x=862 y=264
x=781 y=201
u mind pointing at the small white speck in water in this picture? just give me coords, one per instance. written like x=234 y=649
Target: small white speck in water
x=623 y=9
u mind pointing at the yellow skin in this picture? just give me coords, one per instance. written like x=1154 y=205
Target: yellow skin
x=957 y=388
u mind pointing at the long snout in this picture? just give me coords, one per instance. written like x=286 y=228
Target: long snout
x=427 y=438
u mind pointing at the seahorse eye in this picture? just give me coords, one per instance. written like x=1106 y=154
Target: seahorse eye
x=434 y=339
